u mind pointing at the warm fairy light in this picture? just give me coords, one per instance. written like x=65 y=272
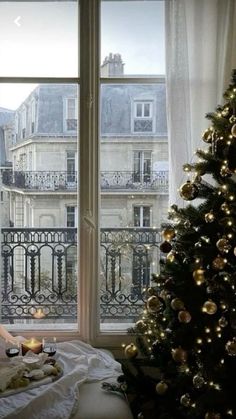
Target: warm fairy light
x=207 y=330
x=199 y=341
x=230 y=136
x=218 y=329
x=229 y=223
x=217 y=386
x=123 y=345
x=219 y=335
x=224 y=187
x=223 y=306
x=219 y=114
x=211 y=383
x=199 y=351
x=230 y=236
x=222 y=361
x=230 y=412
x=231 y=197
x=162 y=334
x=209 y=340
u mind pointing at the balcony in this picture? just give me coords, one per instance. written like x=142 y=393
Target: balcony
x=39 y=274
x=111 y=181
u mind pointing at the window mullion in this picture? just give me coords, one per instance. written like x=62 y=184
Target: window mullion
x=88 y=191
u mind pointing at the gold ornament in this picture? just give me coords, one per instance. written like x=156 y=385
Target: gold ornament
x=233 y=130
x=235 y=251
x=131 y=351
x=198 y=276
x=188 y=191
x=171 y=256
x=225 y=111
x=185 y=400
x=153 y=303
x=161 y=388
x=218 y=263
x=150 y=291
x=207 y=135
x=168 y=234
x=184 y=316
x=198 y=381
x=141 y=325
x=223 y=322
x=177 y=304
x=231 y=347
x=232 y=119
x=179 y=355
x=223 y=245
x=225 y=207
x=209 y=307
x=209 y=217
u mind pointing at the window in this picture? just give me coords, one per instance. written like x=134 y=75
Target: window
x=23 y=122
x=143 y=120
x=142 y=216
x=33 y=113
x=70 y=216
x=108 y=258
x=71 y=114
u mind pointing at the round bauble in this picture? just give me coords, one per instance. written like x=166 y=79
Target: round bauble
x=231 y=347
x=131 y=351
x=223 y=245
x=177 y=304
x=141 y=326
x=225 y=207
x=179 y=355
x=161 y=388
x=198 y=276
x=233 y=130
x=232 y=119
x=188 y=191
x=218 y=263
x=209 y=217
x=184 y=316
x=223 y=322
x=168 y=234
x=185 y=400
x=209 y=307
x=207 y=135
x=153 y=303
x=165 y=247
x=198 y=381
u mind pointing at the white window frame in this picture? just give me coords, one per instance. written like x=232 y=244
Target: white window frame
x=88 y=199
x=141 y=215
x=135 y=117
x=143 y=103
x=66 y=107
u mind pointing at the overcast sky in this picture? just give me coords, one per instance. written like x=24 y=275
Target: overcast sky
x=32 y=42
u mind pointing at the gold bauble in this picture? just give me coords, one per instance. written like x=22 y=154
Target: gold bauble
x=185 y=400
x=168 y=234
x=184 y=316
x=179 y=355
x=232 y=119
x=223 y=322
x=218 y=263
x=141 y=325
x=153 y=303
x=209 y=217
x=233 y=130
x=171 y=256
x=223 y=245
x=225 y=207
x=131 y=351
x=209 y=307
x=207 y=135
x=188 y=191
x=231 y=347
x=161 y=388
x=212 y=415
x=150 y=291
x=177 y=304
x=198 y=381
x=198 y=276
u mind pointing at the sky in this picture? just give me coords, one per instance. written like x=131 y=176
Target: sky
x=32 y=42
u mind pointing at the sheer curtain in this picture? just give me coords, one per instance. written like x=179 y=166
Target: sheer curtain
x=200 y=55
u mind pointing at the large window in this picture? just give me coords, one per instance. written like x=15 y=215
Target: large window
x=94 y=254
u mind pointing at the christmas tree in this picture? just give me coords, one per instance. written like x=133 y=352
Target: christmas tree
x=187 y=333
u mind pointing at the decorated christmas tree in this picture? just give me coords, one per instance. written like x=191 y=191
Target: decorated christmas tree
x=187 y=333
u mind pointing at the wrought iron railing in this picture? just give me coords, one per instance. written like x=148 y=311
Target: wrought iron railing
x=39 y=273
x=110 y=180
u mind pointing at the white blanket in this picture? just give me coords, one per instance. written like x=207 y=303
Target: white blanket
x=58 y=400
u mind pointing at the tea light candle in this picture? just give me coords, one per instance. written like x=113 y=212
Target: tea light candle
x=31 y=345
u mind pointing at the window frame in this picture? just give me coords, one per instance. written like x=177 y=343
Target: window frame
x=88 y=197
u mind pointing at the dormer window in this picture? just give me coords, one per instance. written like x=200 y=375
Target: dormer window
x=33 y=113
x=23 y=122
x=71 y=114
x=143 y=117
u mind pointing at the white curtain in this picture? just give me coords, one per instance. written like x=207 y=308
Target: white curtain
x=200 y=56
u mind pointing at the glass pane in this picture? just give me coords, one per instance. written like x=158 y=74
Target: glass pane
x=132 y=38
x=39 y=38
x=134 y=182
x=39 y=182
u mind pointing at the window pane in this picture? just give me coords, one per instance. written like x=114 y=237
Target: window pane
x=39 y=38
x=134 y=199
x=132 y=38
x=39 y=190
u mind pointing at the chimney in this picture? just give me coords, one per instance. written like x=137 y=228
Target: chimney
x=112 y=66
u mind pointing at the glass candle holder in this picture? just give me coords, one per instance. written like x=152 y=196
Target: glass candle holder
x=49 y=346
x=12 y=348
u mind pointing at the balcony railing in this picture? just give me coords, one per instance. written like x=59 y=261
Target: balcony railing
x=39 y=273
x=156 y=181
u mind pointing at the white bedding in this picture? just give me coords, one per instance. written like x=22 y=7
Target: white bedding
x=58 y=400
